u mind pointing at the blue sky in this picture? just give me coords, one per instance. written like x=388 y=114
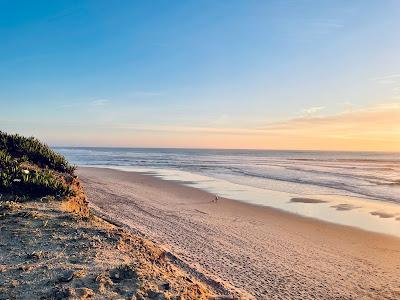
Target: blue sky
x=195 y=73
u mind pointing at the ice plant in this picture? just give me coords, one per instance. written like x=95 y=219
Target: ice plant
x=48 y=179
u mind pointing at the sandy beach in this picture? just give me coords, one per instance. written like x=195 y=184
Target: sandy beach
x=258 y=251
x=49 y=253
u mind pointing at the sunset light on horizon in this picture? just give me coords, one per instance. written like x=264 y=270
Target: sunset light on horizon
x=237 y=74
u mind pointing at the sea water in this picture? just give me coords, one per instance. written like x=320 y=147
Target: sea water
x=360 y=189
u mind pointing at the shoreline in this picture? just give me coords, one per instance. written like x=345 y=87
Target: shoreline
x=253 y=206
x=261 y=250
x=357 y=212
x=381 y=211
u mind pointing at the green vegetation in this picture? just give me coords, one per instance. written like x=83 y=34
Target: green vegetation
x=30 y=168
x=34 y=151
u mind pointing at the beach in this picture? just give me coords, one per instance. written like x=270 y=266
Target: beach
x=259 y=252
x=49 y=253
x=200 y=150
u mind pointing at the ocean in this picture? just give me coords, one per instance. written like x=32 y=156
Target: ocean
x=365 y=183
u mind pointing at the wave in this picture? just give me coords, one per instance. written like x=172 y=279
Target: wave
x=364 y=177
x=337 y=185
x=347 y=160
x=395 y=183
x=373 y=175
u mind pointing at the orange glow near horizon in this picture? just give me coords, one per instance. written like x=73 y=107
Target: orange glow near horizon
x=372 y=129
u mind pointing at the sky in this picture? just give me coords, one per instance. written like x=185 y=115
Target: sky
x=284 y=74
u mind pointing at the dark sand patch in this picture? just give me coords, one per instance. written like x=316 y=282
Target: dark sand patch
x=383 y=215
x=306 y=200
x=345 y=206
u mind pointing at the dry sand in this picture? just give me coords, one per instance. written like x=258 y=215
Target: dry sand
x=47 y=253
x=265 y=253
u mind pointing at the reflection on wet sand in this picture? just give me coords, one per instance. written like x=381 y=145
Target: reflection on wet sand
x=306 y=200
x=368 y=214
x=345 y=206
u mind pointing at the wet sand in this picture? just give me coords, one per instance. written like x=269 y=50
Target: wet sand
x=307 y=200
x=266 y=253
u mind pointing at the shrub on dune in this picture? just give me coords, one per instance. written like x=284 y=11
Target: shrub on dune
x=28 y=167
x=32 y=150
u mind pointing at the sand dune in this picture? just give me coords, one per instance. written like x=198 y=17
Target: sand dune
x=264 y=253
x=47 y=253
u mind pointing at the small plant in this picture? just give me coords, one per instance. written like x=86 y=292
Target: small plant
x=28 y=167
x=32 y=150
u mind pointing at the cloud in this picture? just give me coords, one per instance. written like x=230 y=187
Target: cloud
x=146 y=94
x=387 y=79
x=372 y=128
x=381 y=117
x=396 y=92
x=86 y=104
x=99 y=102
x=391 y=81
x=69 y=105
x=312 y=110
x=328 y=24
x=376 y=127
x=382 y=113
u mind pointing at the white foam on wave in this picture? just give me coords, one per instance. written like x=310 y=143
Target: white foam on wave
x=362 y=189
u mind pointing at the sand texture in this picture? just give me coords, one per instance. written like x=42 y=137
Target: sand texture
x=265 y=253
x=47 y=253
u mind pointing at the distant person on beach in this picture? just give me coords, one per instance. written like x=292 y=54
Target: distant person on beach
x=216 y=199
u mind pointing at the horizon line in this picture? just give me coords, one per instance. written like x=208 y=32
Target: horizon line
x=229 y=149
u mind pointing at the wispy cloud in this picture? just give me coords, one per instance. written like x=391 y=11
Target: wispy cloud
x=392 y=82
x=323 y=27
x=307 y=30
x=373 y=128
x=146 y=94
x=99 y=102
x=387 y=79
x=312 y=110
x=328 y=24
x=380 y=117
x=85 y=104
x=396 y=91
x=69 y=105
x=374 y=114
